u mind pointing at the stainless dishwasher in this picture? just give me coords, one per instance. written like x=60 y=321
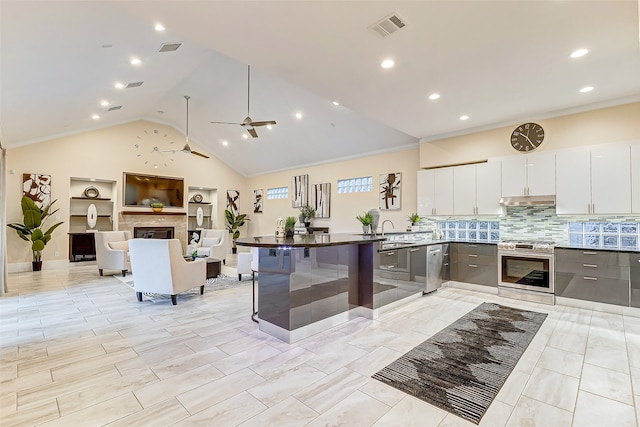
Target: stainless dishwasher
x=434 y=268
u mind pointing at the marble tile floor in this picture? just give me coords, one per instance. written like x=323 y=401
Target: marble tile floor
x=77 y=349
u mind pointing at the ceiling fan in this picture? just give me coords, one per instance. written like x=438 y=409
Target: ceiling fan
x=187 y=149
x=248 y=123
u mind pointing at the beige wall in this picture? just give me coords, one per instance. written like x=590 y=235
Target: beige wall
x=105 y=154
x=607 y=125
x=344 y=207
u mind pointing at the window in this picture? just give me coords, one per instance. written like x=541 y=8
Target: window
x=278 y=193
x=355 y=185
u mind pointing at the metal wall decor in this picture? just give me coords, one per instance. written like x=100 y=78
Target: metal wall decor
x=390 y=190
x=37 y=187
x=299 y=190
x=321 y=200
x=233 y=201
x=257 y=201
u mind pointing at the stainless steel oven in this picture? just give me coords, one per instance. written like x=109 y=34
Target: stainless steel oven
x=526 y=270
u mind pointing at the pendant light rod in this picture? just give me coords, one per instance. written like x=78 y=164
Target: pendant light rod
x=187 y=98
x=248 y=87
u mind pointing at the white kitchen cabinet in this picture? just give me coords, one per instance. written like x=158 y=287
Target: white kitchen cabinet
x=435 y=192
x=530 y=175
x=476 y=189
x=635 y=178
x=594 y=181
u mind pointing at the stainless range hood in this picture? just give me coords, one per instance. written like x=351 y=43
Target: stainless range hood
x=547 y=200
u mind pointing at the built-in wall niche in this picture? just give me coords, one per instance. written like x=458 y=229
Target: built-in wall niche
x=203 y=205
x=91 y=204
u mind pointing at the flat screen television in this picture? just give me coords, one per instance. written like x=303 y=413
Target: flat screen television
x=142 y=190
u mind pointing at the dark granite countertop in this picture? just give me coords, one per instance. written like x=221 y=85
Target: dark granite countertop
x=308 y=240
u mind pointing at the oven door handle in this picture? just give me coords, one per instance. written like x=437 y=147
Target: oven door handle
x=590 y=265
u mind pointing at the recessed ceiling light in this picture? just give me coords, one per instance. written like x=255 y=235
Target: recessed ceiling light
x=336 y=103
x=95 y=117
x=298 y=115
x=387 y=63
x=244 y=135
x=119 y=85
x=269 y=127
x=104 y=103
x=465 y=117
x=578 y=53
x=586 y=89
x=434 y=96
x=135 y=61
x=159 y=27
x=225 y=143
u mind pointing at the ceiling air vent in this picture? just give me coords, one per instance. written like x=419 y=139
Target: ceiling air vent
x=134 y=84
x=388 y=25
x=170 y=47
x=117 y=107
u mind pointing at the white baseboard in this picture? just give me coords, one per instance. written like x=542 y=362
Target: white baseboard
x=21 y=267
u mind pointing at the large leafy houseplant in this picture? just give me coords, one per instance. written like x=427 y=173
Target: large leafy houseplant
x=234 y=222
x=33 y=224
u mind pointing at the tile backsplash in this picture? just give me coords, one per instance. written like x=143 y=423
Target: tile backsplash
x=542 y=223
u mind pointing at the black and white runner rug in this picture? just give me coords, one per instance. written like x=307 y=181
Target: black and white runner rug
x=461 y=368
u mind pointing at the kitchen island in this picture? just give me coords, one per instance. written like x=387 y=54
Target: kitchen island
x=310 y=283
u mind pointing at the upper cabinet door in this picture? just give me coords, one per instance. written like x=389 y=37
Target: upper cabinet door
x=488 y=189
x=444 y=191
x=541 y=174
x=573 y=182
x=464 y=190
x=514 y=176
x=426 y=192
x=611 y=180
x=635 y=178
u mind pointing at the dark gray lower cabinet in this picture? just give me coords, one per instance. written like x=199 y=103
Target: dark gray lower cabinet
x=634 y=264
x=600 y=276
x=475 y=263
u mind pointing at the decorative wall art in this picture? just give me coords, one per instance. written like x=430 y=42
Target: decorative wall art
x=299 y=190
x=257 y=201
x=390 y=186
x=233 y=201
x=37 y=187
x=321 y=199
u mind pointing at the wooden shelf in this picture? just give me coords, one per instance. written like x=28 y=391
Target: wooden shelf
x=202 y=203
x=152 y=213
x=84 y=216
x=91 y=198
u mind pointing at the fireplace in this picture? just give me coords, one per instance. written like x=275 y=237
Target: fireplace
x=153 y=232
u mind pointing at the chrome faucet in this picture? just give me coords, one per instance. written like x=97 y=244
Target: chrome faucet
x=387 y=220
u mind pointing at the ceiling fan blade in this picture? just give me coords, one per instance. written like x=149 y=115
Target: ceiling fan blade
x=252 y=132
x=227 y=123
x=200 y=154
x=265 y=123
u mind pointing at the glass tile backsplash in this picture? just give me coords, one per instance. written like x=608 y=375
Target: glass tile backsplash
x=477 y=231
x=608 y=235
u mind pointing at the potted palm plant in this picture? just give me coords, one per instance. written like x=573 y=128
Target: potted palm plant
x=289 y=227
x=234 y=222
x=31 y=228
x=365 y=219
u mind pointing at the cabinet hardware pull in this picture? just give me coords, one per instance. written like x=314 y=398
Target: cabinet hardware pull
x=391 y=253
x=590 y=278
x=473 y=246
x=590 y=253
x=473 y=255
x=414 y=250
x=473 y=265
x=436 y=251
x=590 y=265
x=446 y=263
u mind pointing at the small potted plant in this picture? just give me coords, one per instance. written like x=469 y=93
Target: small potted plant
x=157 y=206
x=307 y=213
x=365 y=219
x=30 y=230
x=234 y=222
x=289 y=227
x=414 y=218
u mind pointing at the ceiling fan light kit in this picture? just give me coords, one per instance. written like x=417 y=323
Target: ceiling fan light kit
x=248 y=124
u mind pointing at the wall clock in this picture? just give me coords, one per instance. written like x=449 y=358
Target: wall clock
x=527 y=137
x=149 y=148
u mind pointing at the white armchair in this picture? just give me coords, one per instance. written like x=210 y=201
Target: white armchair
x=248 y=263
x=213 y=243
x=112 y=249
x=159 y=267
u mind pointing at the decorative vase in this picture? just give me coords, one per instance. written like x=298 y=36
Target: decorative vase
x=365 y=229
x=36 y=265
x=288 y=234
x=375 y=219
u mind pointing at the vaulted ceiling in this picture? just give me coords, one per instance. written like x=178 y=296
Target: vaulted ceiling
x=498 y=62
